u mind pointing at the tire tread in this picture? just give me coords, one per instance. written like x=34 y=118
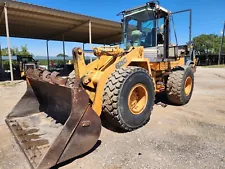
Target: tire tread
x=111 y=94
x=174 y=87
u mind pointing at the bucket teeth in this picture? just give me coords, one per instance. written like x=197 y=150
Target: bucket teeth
x=14 y=125
x=35 y=74
x=57 y=79
x=46 y=76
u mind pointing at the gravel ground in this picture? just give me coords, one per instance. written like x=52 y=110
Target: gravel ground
x=177 y=137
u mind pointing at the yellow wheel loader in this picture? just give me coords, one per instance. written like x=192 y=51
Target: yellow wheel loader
x=58 y=118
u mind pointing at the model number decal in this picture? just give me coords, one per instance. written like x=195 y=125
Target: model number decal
x=121 y=63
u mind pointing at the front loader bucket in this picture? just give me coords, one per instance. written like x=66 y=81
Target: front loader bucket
x=53 y=122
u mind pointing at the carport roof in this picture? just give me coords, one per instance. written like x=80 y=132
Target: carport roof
x=37 y=22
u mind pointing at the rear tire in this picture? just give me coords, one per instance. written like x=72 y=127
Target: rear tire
x=128 y=98
x=180 y=86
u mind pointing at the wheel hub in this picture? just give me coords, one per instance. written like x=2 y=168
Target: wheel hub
x=188 y=85
x=137 y=99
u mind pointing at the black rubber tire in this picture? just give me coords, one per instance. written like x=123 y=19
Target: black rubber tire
x=115 y=98
x=175 y=86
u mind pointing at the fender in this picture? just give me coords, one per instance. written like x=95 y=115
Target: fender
x=184 y=67
x=189 y=62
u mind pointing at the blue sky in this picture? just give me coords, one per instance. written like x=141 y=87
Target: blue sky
x=208 y=17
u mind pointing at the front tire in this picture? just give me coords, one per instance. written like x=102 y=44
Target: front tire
x=128 y=98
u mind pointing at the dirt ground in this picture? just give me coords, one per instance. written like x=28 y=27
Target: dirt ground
x=177 y=137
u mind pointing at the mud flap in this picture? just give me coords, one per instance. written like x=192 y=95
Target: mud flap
x=53 y=123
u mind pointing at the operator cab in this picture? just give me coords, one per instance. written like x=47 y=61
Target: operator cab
x=147 y=26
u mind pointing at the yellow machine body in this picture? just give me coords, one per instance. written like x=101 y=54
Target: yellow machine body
x=95 y=74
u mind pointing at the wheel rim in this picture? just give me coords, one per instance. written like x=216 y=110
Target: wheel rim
x=137 y=99
x=188 y=85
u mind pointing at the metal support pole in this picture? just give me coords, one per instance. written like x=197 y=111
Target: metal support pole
x=64 y=55
x=47 y=53
x=8 y=41
x=190 y=28
x=90 y=40
x=1 y=63
x=221 y=45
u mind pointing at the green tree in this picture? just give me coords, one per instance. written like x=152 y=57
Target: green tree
x=207 y=44
x=15 y=51
x=4 y=52
x=24 y=51
x=61 y=55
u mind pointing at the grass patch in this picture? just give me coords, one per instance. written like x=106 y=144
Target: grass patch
x=214 y=66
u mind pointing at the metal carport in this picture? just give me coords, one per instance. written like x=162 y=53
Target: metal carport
x=24 y=20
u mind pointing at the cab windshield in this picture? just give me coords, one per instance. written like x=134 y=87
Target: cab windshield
x=140 y=29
